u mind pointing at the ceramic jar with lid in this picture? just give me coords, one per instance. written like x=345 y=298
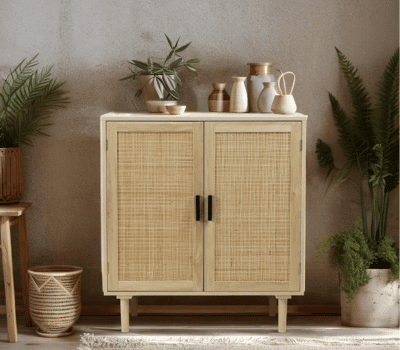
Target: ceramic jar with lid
x=219 y=100
x=259 y=73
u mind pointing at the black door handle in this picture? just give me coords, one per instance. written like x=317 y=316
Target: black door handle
x=210 y=203
x=197 y=208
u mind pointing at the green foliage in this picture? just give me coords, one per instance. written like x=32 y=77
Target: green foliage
x=369 y=141
x=386 y=250
x=28 y=98
x=350 y=254
x=166 y=87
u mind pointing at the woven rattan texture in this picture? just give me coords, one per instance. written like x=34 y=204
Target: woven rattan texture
x=252 y=206
x=54 y=301
x=155 y=206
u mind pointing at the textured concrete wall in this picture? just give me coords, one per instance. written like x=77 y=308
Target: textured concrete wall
x=89 y=43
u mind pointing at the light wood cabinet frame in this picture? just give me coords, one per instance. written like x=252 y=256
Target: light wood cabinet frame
x=204 y=126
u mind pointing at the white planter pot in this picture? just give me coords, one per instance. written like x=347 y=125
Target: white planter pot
x=375 y=305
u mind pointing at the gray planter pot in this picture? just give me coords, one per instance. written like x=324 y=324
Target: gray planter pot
x=375 y=305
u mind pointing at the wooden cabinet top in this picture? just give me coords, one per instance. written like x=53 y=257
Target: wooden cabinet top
x=202 y=116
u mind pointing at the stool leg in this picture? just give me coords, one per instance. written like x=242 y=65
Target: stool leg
x=24 y=258
x=8 y=280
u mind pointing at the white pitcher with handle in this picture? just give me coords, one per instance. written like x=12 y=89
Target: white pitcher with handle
x=283 y=103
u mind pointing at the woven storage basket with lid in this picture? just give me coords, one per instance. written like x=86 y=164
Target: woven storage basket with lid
x=55 y=298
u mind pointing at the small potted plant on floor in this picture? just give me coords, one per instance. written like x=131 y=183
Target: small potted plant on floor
x=160 y=80
x=366 y=257
x=27 y=99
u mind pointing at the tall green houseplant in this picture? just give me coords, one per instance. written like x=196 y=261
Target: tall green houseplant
x=28 y=98
x=369 y=140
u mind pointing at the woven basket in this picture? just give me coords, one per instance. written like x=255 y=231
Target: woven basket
x=55 y=298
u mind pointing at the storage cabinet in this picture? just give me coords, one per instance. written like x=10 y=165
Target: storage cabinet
x=203 y=204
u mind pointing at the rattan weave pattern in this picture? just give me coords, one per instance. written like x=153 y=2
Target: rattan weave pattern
x=155 y=206
x=252 y=206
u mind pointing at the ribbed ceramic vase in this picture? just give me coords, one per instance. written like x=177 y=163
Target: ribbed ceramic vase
x=266 y=97
x=239 y=102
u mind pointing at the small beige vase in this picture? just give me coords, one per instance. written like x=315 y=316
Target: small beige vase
x=375 y=305
x=283 y=103
x=239 y=102
x=266 y=97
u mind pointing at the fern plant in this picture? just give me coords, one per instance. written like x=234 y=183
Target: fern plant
x=369 y=140
x=28 y=98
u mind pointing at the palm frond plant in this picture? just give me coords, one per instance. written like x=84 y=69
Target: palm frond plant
x=369 y=140
x=28 y=98
x=166 y=80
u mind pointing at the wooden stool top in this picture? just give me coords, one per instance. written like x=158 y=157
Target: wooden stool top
x=15 y=209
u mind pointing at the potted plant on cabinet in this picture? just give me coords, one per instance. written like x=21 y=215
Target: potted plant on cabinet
x=366 y=257
x=28 y=97
x=160 y=80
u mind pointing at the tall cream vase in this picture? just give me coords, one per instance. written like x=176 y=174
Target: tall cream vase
x=239 y=101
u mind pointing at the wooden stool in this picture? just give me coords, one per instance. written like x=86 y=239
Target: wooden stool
x=14 y=214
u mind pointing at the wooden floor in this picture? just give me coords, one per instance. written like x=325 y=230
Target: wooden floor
x=187 y=325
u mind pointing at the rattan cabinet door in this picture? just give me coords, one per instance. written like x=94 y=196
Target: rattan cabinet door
x=154 y=172
x=253 y=172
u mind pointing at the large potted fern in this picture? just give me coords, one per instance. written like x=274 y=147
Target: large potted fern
x=28 y=97
x=366 y=257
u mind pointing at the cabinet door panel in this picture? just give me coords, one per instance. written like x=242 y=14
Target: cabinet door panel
x=253 y=171
x=154 y=172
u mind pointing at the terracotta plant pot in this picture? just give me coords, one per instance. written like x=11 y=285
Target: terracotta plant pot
x=11 y=188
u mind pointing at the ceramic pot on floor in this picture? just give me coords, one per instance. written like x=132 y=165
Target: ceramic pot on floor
x=375 y=305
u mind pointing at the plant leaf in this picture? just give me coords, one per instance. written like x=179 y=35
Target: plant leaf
x=184 y=47
x=169 y=41
x=325 y=158
x=361 y=104
x=140 y=64
x=193 y=60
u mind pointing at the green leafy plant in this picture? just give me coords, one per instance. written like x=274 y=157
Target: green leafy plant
x=28 y=98
x=352 y=253
x=369 y=141
x=166 y=80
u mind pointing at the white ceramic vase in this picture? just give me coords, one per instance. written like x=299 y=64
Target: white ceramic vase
x=266 y=97
x=239 y=101
x=375 y=305
x=284 y=103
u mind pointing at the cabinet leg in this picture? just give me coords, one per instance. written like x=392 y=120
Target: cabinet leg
x=134 y=306
x=273 y=306
x=282 y=312
x=124 y=314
